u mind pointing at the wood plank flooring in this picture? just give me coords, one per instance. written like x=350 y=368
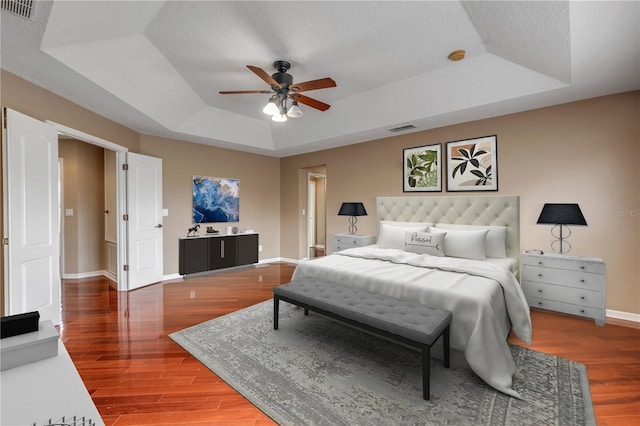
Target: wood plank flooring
x=136 y=375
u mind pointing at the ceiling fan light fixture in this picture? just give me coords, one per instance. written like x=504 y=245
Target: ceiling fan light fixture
x=270 y=108
x=294 y=110
x=279 y=118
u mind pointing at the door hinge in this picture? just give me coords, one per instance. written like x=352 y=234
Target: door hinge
x=5 y=241
x=125 y=267
x=125 y=217
x=4 y=118
x=125 y=166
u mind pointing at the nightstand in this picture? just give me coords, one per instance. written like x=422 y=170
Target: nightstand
x=345 y=241
x=570 y=284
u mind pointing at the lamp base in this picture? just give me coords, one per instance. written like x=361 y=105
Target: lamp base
x=560 y=244
x=352 y=225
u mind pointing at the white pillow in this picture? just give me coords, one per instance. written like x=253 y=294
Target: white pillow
x=465 y=244
x=424 y=243
x=393 y=236
x=496 y=237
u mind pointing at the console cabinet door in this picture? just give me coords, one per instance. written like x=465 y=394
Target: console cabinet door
x=194 y=256
x=247 y=249
x=223 y=252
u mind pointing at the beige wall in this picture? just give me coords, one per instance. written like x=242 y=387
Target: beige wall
x=259 y=191
x=83 y=166
x=29 y=99
x=585 y=152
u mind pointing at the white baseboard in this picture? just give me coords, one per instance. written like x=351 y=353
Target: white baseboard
x=626 y=316
x=80 y=275
x=279 y=259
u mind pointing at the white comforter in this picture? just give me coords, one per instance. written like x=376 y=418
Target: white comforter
x=486 y=299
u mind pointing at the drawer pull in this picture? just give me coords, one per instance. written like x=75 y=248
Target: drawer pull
x=540 y=303
x=581 y=267
x=539 y=262
x=581 y=297
x=539 y=275
x=539 y=291
x=582 y=311
x=582 y=280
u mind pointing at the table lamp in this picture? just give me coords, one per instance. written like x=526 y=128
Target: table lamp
x=352 y=209
x=561 y=215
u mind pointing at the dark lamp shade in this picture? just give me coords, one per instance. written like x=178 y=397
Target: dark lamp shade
x=561 y=214
x=352 y=209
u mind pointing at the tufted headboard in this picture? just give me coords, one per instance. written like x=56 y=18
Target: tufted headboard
x=463 y=210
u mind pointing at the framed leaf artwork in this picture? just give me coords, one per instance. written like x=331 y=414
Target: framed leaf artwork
x=422 y=168
x=472 y=164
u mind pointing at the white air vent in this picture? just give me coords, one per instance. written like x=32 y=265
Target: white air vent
x=22 y=8
x=402 y=128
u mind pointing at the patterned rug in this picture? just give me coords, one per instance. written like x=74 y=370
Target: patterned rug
x=314 y=371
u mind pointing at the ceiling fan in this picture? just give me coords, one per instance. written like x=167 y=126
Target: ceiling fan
x=285 y=95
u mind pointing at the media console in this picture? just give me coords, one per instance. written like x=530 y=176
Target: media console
x=210 y=252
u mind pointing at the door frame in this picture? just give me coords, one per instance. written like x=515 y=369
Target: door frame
x=121 y=205
x=310 y=176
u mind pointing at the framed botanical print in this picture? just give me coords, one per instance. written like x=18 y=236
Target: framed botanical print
x=422 y=168
x=472 y=164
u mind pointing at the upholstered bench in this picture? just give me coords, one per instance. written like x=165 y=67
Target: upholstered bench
x=408 y=322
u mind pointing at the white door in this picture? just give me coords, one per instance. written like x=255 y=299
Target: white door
x=144 y=206
x=32 y=276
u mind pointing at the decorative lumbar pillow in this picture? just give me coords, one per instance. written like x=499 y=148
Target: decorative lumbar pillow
x=495 y=244
x=464 y=244
x=393 y=236
x=424 y=243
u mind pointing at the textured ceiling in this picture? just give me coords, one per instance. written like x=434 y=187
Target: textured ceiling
x=157 y=67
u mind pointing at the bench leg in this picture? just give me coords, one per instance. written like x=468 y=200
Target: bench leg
x=426 y=361
x=445 y=344
x=276 y=305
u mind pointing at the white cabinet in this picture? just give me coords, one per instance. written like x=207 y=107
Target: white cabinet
x=569 y=284
x=345 y=241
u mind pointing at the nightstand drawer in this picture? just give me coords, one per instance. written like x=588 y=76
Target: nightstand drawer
x=567 y=263
x=583 y=311
x=570 y=295
x=562 y=277
x=345 y=241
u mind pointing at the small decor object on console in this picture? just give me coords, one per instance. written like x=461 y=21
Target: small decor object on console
x=559 y=215
x=352 y=209
x=193 y=231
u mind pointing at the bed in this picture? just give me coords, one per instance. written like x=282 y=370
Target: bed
x=459 y=253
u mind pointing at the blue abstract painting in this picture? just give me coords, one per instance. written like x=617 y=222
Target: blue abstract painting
x=215 y=200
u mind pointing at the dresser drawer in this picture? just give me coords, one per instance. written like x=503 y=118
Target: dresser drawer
x=567 y=308
x=569 y=263
x=563 y=277
x=571 y=295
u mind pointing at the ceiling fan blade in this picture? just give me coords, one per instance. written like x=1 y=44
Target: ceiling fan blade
x=264 y=76
x=322 y=83
x=240 y=92
x=313 y=103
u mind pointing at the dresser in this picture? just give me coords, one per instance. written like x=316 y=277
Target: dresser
x=569 y=284
x=345 y=241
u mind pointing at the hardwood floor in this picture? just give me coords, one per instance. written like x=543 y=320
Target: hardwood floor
x=136 y=375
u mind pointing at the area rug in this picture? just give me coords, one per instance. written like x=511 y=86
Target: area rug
x=314 y=371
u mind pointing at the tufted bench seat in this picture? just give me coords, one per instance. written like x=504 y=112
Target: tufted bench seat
x=405 y=321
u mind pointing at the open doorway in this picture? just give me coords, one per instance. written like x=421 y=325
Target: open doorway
x=316 y=212
x=88 y=234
